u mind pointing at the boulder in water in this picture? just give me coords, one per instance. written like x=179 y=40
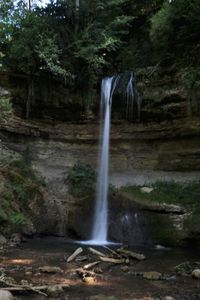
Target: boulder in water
x=54 y=290
x=152 y=275
x=196 y=273
x=6 y=295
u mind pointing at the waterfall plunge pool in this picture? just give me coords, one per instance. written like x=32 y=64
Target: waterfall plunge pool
x=24 y=263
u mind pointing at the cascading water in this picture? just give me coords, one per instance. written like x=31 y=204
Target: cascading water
x=108 y=87
x=100 y=229
x=133 y=100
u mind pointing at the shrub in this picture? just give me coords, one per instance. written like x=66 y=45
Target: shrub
x=175 y=31
x=81 y=179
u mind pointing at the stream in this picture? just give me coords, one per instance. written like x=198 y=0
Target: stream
x=24 y=261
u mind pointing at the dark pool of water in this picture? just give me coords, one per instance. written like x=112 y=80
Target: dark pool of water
x=24 y=262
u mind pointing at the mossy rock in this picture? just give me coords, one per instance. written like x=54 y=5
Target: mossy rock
x=152 y=275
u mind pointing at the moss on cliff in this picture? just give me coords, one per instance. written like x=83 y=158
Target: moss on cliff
x=21 y=198
x=178 y=224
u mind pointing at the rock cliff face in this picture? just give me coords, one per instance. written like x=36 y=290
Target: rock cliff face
x=138 y=154
x=167 y=146
x=164 y=146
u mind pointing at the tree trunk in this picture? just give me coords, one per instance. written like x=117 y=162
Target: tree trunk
x=29 y=5
x=30 y=95
x=77 y=8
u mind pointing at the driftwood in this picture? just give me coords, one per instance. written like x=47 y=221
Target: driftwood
x=131 y=254
x=94 y=251
x=81 y=258
x=114 y=253
x=21 y=287
x=75 y=254
x=114 y=260
x=91 y=265
x=37 y=289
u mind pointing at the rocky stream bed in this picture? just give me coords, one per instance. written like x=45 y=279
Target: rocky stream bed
x=166 y=273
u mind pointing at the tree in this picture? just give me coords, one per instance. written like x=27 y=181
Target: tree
x=175 y=31
x=29 y=46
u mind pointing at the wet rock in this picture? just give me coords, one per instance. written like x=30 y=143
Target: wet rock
x=172 y=208
x=16 y=239
x=3 y=240
x=125 y=269
x=144 y=298
x=160 y=247
x=146 y=189
x=54 y=291
x=89 y=280
x=196 y=273
x=50 y=269
x=29 y=229
x=28 y=273
x=102 y=297
x=6 y=295
x=184 y=269
x=152 y=275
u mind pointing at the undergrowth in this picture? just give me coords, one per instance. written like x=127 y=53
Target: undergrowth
x=18 y=189
x=168 y=192
x=81 y=180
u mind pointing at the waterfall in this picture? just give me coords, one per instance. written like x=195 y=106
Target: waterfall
x=100 y=228
x=108 y=87
x=133 y=100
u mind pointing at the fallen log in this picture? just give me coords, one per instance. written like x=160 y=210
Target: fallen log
x=131 y=254
x=81 y=258
x=21 y=287
x=94 y=251
x=91 y=265
x=114 y=260
x=75 y=254
x=114 y=253
x=37 y=289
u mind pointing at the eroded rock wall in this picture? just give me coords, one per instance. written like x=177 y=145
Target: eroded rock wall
x=138 y=154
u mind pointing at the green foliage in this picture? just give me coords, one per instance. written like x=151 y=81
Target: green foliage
x=49 y=53
x=20 y=191
x=169 y=192
x=175 y=31
x=5 y=109
x=17 y=219
x=23 y=167
x=190 y=77
x=183 y=194
x=11 y=218
x=81 y=179
x=78 y=47
x=57 y=39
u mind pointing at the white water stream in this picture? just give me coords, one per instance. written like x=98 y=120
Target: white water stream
x=100 y=224
x=100 y=228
